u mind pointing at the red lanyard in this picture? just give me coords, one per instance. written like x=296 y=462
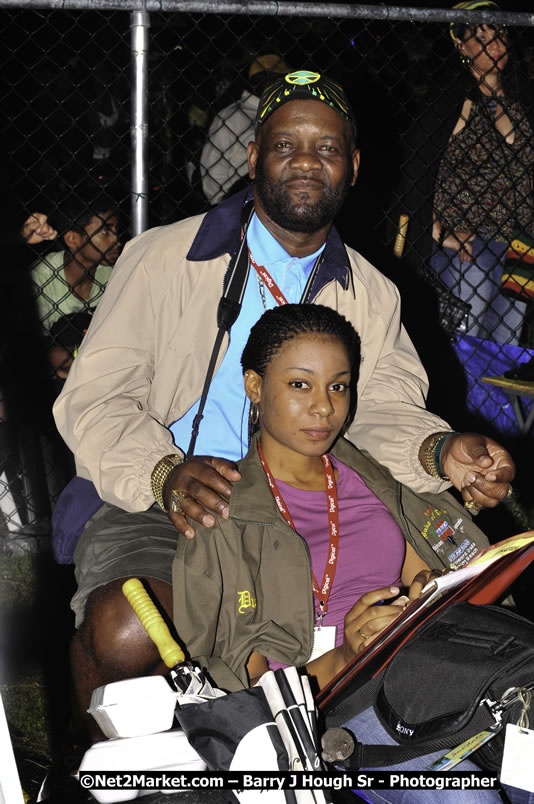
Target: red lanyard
x=267 y=279
x=323 y=593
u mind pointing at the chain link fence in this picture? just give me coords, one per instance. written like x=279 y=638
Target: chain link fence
x=117 y=119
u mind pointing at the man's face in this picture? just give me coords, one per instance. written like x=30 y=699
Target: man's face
x=101 y=245
x=304 y=163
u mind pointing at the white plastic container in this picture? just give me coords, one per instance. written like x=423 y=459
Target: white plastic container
x=134 y=707
x=168 y=751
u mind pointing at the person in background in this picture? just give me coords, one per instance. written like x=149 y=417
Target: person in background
x=70 y=282
x=468 y=176
x=224 y=162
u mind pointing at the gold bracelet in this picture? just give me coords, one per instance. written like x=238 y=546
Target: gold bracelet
x=431 y=465
x=159 y=475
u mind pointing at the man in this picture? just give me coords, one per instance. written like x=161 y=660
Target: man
x=70 y=282
x=224 y=162
x=133 y=392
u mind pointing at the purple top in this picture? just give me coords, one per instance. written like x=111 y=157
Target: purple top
x=371 y=544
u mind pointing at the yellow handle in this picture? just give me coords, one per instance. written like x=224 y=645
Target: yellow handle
x=400 y=240
x=153 y=622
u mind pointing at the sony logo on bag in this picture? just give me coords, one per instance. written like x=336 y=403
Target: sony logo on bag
x=404 y=729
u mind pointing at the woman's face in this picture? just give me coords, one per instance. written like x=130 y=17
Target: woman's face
x=304 y=395
x=486 y=48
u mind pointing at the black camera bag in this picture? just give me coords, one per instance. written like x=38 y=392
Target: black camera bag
x=433 y=694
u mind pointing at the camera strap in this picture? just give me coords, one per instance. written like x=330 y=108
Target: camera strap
x=227 y=312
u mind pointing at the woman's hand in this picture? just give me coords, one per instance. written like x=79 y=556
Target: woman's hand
x=368 y=617
x=420 y=581
x=365 y=620
x=363 y=623
x=462 y=243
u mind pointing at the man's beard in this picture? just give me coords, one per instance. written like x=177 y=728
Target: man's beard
x=300 y=216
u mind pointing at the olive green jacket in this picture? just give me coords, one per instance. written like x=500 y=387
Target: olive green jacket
x=246 y=583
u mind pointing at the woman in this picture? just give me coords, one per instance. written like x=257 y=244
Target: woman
x=470 y=162
x=317 y=534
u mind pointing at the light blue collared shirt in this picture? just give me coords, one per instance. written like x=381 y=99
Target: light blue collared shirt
x=223 y=429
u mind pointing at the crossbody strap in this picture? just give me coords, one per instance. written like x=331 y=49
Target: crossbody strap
x=227 y=313
x=383 y=756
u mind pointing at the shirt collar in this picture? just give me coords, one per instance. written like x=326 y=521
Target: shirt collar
x=219 y=233
x=267 y=251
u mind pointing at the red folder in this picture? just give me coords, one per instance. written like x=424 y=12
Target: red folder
x=486 y=587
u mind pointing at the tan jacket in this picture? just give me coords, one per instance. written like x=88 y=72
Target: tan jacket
x=143 y=361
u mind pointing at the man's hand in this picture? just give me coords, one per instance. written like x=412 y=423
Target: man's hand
x=207 y=485
x=36 y=228
x=478 y=467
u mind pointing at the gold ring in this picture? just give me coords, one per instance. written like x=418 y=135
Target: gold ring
x=363 y=636
x=177 y=501
x=473 y=507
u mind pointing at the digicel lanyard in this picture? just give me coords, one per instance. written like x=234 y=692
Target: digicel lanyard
x=323 y=593
x=267 y=279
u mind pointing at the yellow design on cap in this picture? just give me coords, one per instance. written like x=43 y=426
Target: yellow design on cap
x=302 y=77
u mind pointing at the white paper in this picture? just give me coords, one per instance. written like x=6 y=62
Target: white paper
x=477 y=564
x=517 y=762
x=324 y=639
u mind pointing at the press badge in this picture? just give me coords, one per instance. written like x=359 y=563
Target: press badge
x=517 y=766
x=324 y=639
x=460 y=752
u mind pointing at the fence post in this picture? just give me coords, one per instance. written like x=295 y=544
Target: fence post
x=140 y=23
